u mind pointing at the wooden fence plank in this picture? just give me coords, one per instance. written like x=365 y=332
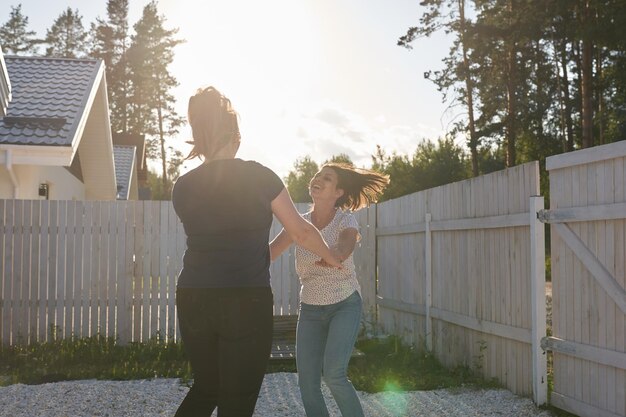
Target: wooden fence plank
x=97 y=302
x=155 y=263
x=163 y=273
x=173 y=267
x=78 y=255
x=53 y=260
x=123 y=310
x=126 y=333
x=138 y=281
x=22 y=241
x=61 y=272
x=87 y=278
x=603 y=277
x=146 y=275
x=42 y=296
x=8 y=216
x=70 y=258
x=35 y=273
x=108 y=267
x=539 y=375
x=618 y=327
x=32 y=268
x=3 y=279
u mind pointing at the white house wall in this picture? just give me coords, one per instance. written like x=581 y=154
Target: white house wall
x=96 y=151
x=62 y=185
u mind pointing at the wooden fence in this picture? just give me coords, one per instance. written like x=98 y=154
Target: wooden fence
x=461 y=272
x=80 y=268
x=458 y=269
x=588 y=241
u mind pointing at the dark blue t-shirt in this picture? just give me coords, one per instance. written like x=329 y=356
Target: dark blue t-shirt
x=225 y=208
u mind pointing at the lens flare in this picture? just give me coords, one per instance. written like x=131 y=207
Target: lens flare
x=394 y=399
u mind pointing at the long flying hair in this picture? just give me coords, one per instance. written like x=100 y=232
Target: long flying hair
x=213 y=123
x=361 y=187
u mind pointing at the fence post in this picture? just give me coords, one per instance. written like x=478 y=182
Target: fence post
x=429 y=283
x=538 y=296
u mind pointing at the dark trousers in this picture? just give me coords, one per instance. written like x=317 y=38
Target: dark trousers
x=227 y=334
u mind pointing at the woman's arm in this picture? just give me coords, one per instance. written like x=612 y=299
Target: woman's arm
x=280 y=244
x=301 y=232
x=345 y=243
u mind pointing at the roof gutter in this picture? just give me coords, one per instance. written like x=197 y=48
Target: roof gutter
x=8 y=163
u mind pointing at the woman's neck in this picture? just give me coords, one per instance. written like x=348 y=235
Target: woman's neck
x=228 y=151
x=322 y=214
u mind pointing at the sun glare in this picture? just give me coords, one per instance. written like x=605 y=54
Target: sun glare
x=265 y=62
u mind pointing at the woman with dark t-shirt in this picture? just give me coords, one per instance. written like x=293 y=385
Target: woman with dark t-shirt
x=223 y=295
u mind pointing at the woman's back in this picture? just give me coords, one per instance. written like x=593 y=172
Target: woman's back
x=225 y=208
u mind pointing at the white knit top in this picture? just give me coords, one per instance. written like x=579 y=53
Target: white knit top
x=322 y=285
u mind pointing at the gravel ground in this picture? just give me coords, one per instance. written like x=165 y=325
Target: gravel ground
x=279 y=398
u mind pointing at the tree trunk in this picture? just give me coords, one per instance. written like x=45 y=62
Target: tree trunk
x=559 y=84
x=473 y=141
x=162 y=143
x=511 y=107
x=599 y=96
x=587 y=79
x=567 y=100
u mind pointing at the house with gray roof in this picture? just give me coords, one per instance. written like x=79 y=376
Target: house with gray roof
x=55 y=134
x=5 y=87
x=126 y=172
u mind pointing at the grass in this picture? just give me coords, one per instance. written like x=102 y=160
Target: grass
x=390 y=365
x=94 y=357
x=387 y=365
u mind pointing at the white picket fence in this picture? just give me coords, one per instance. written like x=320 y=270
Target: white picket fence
x=81 y=268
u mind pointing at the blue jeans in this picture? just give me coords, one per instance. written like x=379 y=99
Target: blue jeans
x=324 y=342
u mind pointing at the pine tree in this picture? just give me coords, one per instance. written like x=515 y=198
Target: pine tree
x=66 y=37
x=152 y=103
x=450 y=16
x=109 y=40
x=15 y=38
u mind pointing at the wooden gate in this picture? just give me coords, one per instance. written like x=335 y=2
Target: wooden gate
x=588 y=243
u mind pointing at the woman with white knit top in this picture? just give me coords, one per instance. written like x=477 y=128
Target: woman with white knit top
x=330 y=300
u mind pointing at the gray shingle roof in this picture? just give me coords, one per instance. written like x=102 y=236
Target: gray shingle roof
x=49 y=97
x=124 y=157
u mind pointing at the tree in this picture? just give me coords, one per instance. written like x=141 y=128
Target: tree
x=450 y=16
x=439 y=163
x=15 y=38
x=109 y=40
x=433 y=164
x=66 y=37
x=297 y=181
x=401 y=173
x=342 y=158
x=152 y=103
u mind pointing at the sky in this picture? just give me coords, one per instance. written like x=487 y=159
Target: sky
x=308 y=77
